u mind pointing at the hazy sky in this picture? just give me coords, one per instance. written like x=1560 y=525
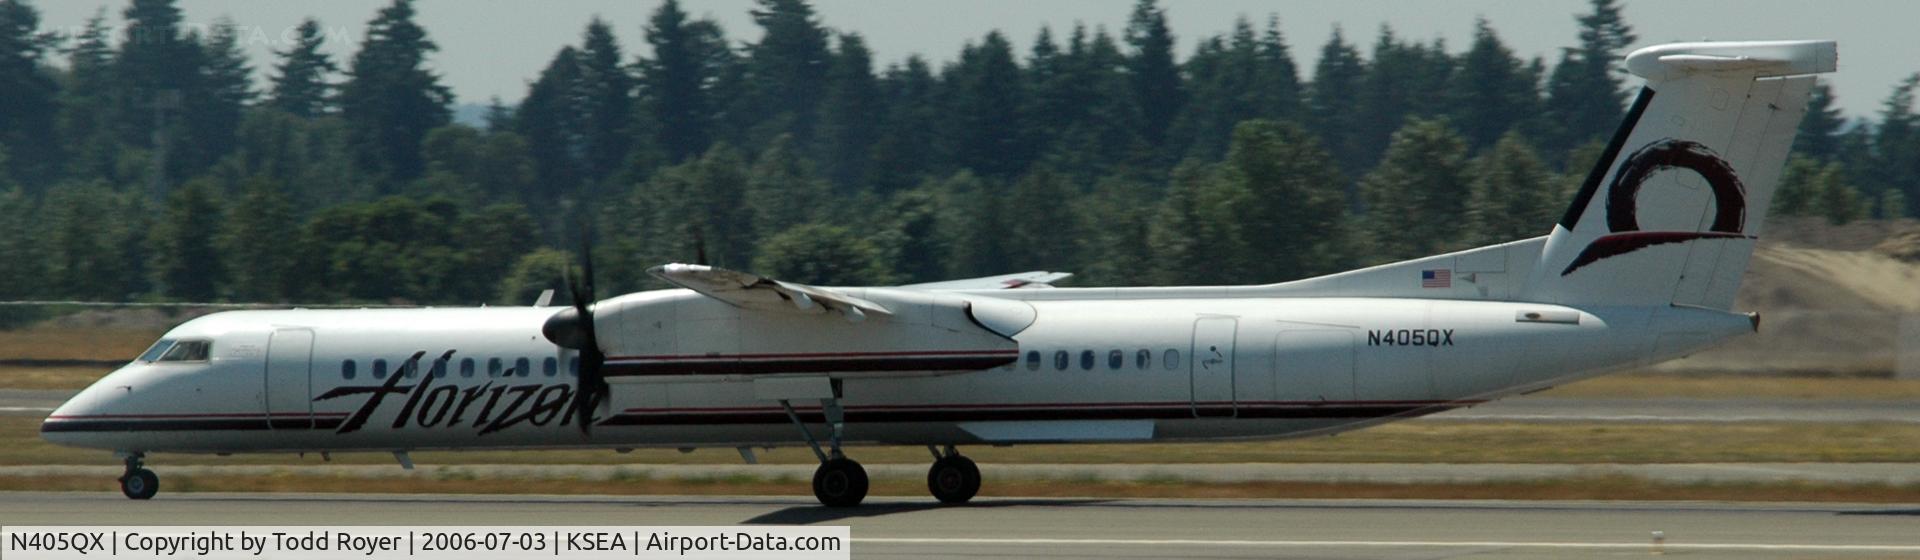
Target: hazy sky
x=493 y=48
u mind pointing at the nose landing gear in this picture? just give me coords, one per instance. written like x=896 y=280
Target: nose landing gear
x=138 y=483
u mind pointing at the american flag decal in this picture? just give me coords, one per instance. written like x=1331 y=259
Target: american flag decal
x=1436 y=278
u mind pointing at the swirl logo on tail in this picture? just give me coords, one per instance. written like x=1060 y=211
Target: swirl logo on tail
x=1729 y=196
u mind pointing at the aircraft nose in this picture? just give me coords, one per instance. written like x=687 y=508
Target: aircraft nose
x=76 y=422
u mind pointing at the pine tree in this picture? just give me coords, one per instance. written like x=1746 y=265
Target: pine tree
x=822 y=254
x=256 y=243
x=490 y=239
x=904 y=153
x=1090 y=119
x=549 y=118
x=1514 y=194
x=1116 y=236
x=1797 y=191
x=1284 y=201
x=1584 y=97
x=79 y=249
x=1157 y=88
x=1416 y=198
x=1895 y=143
x=300 y=85
x=782 y=190
x=1277 y=82
x=86 y=105
x=155 y=72
x=786 y=73
x=224 y=87
x=1398 y=85
x=1333 y=100
x=190 y=266
x=1042 y=230
x=1223 y=74
x=1834 y=199
x=1819 y=135
x=849 y=118
x=1493 y=92
x=390 y=100
x=605 y=92
x=987 y=124
x=981 y=248
x=23 y=258
x=698 y=207
x=27 y=126
x=1183 y=234
x=915 y=241
x=687 y=57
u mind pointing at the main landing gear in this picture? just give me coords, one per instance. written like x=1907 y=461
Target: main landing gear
x=953 y=479
x=842 y=482
x=138 y=483
x=839 y=482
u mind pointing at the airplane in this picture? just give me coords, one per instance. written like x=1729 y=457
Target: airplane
x=1642 y=268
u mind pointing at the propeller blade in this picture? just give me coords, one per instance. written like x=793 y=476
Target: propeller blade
x=591 y=393
x=699 y=247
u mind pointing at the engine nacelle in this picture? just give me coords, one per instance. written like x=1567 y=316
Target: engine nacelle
x=673 y=334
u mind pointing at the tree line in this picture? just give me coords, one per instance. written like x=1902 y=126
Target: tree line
x=149 y=166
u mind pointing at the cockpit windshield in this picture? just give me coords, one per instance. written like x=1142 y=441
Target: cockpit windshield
x=169 y=350
x=158 y=349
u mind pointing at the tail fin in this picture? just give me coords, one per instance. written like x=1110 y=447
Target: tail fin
x=1670 y=213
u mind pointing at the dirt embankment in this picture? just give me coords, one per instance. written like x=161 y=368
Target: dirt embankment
x=1840 y=300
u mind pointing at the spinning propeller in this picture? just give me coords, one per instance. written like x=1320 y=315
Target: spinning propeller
x=573 y=328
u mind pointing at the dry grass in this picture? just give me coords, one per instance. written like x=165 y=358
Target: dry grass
x=75 y=377
x=1644 y=385
x=1579 y=488
x=75 y=343
x=1405 y=442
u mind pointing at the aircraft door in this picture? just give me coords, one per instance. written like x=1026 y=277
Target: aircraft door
x=1212 y=365
x=289 y=375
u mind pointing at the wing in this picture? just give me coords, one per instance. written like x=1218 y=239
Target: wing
x=750 y=291
x=1021 y=280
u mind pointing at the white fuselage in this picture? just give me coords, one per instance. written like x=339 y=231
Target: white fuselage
x=1089 y=370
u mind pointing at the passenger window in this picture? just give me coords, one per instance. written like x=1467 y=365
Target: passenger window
x=380 y=369
x=466 y=367
x=550 y=366
x=1172 y=359
x=573 y=366
x=188 y=351
x=1086 y=359
x=494 y=367
x=1060 y=360
x=347 y=368
x=1033 y=360
x=410 y=368
x=524 y=367
x=1143 y=359
x=439 y=368
x=1115 y=359
x=158 y=349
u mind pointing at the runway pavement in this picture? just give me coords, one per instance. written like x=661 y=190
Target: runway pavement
x=25 y=402
x=1378 y=473
x=1095 y=528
